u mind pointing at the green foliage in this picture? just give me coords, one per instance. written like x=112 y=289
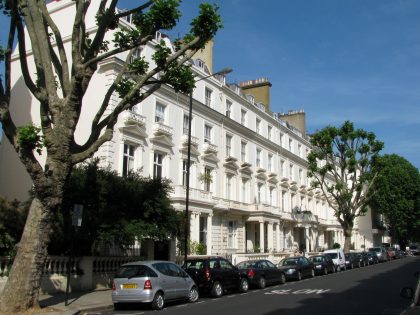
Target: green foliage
x=124 y=86
x=29 y=138
x=12 y=220
x=117 y=210
x=396 y=194
x=336 y=245
x=139 y=66
x=193 y=247
x=207 y=23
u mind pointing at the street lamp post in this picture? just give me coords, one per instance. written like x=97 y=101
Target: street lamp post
x=187 y=195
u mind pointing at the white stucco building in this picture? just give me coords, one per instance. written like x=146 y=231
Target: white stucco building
x=249 y=189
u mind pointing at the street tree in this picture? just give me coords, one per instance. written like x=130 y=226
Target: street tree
x=117 y=210
x=396 y=194
x=340 y=165
x=58 y=72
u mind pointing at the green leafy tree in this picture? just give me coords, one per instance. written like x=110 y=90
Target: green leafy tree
x=340 y=165
x=117 y=210
x=396 y=194
x=58 y=73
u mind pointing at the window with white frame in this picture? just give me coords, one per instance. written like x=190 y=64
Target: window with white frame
x=271 y=196
x=291 y=171
x=270 y=162
x=283 y=196
x=258 y=125
x=157 y=165
x=128 y=159
x=207 y=133
x=136 y=54
x=184 y=172
x=160 y=113
x=207 y=178
x=243 y=151
x=232 y=227
x=259 y=192
x=243 y=117
x=208 y=97
x=269 y=132
x=228 y=187
x=300 y=150
x=228 y=145
x=282 y=169
x=301 y=176
x=203 y=230
x=258 y=158
x=185 y=124
x=228 y=108
x=290 y=145
x=244 y=190
x=281 y=139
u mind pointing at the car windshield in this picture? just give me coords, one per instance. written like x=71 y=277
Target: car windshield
x=290 y=262
x=317 y=259
x=245 y=264
x=134 y=271
x=195 y=264
x=332 y=255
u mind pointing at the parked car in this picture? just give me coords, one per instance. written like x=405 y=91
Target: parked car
x=352 y=260
x=152 y=282
x=414 y=249
x=337 y=255
x=391 y=253
x=297 y=267
x=323 y=264
x=372 y=257
x=261 y=272
x=380 y=252
x=363 y=258
x=215 y=275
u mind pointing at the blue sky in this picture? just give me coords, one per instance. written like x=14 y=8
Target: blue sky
x=341 y=60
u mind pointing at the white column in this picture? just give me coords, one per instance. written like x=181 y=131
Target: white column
x=270 y=236
x=307 y=237
x=262 y=248
x=195 y=227
x=209 y=233
x=278 y=237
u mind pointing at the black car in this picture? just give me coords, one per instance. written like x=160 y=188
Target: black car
x=352 y=260
x=297 y=267
x=323 y=264
x=261 y=272
x=363 y=258
x=215 y=275
x=372 y=258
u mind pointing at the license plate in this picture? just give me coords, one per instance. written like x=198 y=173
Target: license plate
x=129 y=286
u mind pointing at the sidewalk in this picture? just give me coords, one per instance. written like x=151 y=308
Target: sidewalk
x=77 y=302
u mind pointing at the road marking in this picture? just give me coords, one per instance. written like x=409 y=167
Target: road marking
x=301 y=291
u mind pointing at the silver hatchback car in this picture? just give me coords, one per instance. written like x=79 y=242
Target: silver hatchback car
x=152 y=282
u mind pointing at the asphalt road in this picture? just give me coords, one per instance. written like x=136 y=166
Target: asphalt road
x=370 y=290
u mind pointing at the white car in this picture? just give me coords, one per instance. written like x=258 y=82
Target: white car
x=337 y=255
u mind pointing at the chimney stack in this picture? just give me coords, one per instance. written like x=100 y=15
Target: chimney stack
x=259 y=89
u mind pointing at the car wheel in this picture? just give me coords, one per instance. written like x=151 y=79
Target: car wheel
x=158 y=301
x=261 y=283
x=299 y=276
x=117 y=306
x=282 y=279
x=217 y=289
x=244 y=285
x=193 y=295
x=325 y=271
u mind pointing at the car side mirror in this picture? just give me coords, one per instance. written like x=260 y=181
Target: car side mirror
x=407 y=293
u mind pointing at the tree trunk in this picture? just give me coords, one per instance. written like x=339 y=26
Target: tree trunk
x=347 y=238
x=22 y=287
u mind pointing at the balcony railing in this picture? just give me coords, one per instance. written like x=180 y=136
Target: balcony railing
x=132 y=118
x=194 y=140
x=160 y=129
x=195 y=194
x=210 y=148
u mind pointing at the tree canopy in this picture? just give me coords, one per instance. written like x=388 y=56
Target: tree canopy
x=116 y=210
x=396 y=194
x=340 y=165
